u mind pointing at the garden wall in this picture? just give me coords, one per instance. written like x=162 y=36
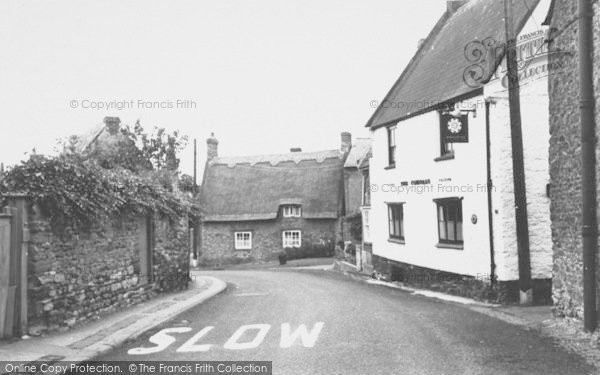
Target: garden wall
x=74 y=275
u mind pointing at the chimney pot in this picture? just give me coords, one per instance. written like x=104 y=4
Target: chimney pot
x=212 y=146
x=112 y=124
x=346 y=142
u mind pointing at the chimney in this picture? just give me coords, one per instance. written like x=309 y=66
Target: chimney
x=346 y=142
x=212 y=145
x=112 y=124
x=295 y=149
x=453 y=5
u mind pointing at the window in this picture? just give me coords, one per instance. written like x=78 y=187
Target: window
x=366 y=225
x=243 y=240
x=366 y=198
x=292 y=211
x=292 y=238
x=450 y=222
x=396 y=221
x=391 y=131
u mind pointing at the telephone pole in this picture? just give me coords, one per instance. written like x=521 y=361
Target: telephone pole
x=525 y=292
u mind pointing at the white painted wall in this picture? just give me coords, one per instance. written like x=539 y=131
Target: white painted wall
x=536 y=135
x=417 y=142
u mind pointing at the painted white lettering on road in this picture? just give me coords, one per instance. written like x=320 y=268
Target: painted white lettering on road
x=233 y=343
x=191 y=344
x=161 y=339
x=308 y=339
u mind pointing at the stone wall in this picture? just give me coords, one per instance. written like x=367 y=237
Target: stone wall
x=76 y=275
x=565 y=155
x=217 y=244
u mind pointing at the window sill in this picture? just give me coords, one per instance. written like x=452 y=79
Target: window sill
x=397 y=240
x=448 y=156
x=391 y=166
x=450 y=246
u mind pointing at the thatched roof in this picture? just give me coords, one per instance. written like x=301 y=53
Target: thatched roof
x=254 y=187
x=436 y=74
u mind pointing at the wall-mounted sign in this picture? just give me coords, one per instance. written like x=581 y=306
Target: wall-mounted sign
x=454 y=129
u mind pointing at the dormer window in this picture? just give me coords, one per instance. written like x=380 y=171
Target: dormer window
x=292 y=211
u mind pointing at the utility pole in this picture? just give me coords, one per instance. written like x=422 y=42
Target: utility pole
x=525 y=292
x=195 y=193
x=589 y=229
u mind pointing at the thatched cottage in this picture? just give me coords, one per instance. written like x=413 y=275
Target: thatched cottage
x=256 y=206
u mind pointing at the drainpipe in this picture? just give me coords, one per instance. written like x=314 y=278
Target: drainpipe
x=490 y=186
x=525 y=292
x=589 y=230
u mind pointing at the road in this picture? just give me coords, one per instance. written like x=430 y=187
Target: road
x=350 y=327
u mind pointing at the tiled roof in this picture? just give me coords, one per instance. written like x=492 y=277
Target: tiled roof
x=360 y=150
x=436 y=73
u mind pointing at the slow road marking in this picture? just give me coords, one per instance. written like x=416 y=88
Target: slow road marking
x=163 y=338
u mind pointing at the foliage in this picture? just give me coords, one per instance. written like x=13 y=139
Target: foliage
x=68 y=187
x=133 y=148
x=186 y=184
x=319 y=250
x=355 y=222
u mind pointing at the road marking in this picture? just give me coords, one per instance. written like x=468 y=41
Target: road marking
x=233 y=343
x=190 y=345
x=308 y=339
x=161 y=339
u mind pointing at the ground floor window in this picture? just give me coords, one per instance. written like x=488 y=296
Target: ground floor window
x=292 y=238
x=243 y=240
x=396 y=220
x=450 y=221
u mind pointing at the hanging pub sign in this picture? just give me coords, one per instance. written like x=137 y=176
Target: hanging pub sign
x=454 y=129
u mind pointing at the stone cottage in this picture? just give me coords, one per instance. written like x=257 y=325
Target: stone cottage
x=256 y=206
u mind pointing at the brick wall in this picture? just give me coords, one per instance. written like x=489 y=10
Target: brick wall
x=217 y=242
x=76 y=275
x=565 y=156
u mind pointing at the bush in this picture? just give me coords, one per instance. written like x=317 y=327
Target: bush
x=69 y=188
x=320 y=250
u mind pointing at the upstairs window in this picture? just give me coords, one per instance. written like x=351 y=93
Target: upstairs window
x=292 y=211
x=396 y=221
x=391 y=132
x=243 y=240
x=292 y=238
x=450 y=221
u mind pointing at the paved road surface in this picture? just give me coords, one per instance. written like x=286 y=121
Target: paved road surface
x=350 y=328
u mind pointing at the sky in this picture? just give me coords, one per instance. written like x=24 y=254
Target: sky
x=263 y=75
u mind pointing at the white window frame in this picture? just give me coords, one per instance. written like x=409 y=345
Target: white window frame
x=292 y=211
x=242 y=243
x=290 y=241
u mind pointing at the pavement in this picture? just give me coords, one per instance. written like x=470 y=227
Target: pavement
x=94 y=338
x=309 y=321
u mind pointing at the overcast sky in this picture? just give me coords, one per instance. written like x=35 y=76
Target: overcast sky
x=264 y=75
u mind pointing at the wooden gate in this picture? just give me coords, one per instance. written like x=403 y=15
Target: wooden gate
x=13 y=270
